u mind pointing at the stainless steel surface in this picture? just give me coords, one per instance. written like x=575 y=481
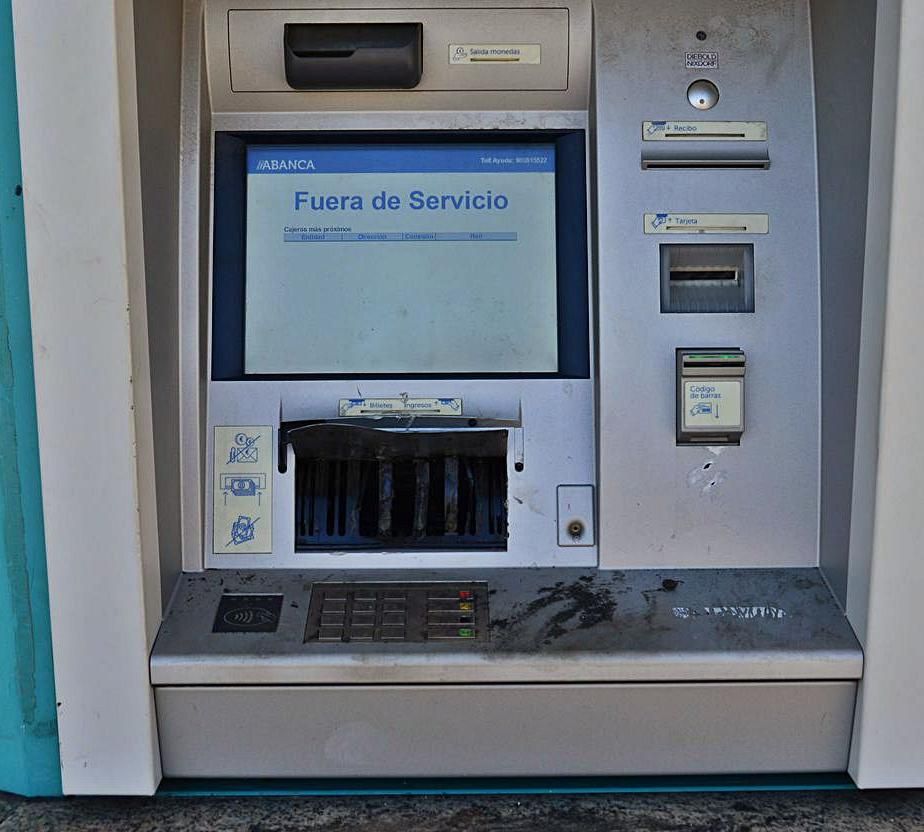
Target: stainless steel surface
x=256 y=55
x=756 y=505
x=549 y=458
x=194 y=259
x=558 y=429
x=504 y=730
x=567 y=625
x=558 y=447
x=158 y=61
x=560 y=82
x=843 y=53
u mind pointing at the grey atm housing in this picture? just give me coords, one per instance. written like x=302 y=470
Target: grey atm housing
x=698 y=627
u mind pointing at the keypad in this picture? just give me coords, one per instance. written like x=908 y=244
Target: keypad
x=413 y=612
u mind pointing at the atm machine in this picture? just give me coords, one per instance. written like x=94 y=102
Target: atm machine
x=504 y=361
x=504 y=407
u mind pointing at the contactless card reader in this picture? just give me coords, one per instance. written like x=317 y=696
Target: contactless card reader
x=710 y=396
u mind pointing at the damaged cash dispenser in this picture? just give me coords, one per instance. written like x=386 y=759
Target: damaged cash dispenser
x=464 y=457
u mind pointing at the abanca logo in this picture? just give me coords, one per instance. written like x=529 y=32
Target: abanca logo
x=285 y=164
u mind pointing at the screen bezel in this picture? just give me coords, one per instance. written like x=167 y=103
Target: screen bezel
x=230 y=228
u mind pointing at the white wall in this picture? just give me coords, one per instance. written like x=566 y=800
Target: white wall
x=75 y=70
x=887 y=562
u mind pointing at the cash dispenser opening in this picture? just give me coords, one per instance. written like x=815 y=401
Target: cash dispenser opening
x=361 y=487
x=455 y=473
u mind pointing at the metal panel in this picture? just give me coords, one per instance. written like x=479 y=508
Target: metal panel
x=462 y=98
x=843 y=39
x=546 y=625
x=557 y=415
x=546 y=405
x=663 y=505
x=195 y=154
x=256 y=54
x=872 y=328
x=158 y=62
x=211 y=106
x=453 y=731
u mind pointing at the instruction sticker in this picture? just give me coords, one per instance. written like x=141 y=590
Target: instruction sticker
x=713 y=405
x=670 y=223
x=704 y=131
x=242 y=516
x=401 y=406
x=495 y=53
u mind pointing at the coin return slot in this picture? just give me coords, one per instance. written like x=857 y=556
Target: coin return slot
x=353 y=55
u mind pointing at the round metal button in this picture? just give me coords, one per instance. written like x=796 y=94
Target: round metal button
x=703 y=94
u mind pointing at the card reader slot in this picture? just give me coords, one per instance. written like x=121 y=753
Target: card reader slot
x=702 y=275
x=698 y=277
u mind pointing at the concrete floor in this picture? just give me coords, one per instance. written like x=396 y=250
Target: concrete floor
x=724 y=812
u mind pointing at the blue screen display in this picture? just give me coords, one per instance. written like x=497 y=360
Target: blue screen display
x=399 y=259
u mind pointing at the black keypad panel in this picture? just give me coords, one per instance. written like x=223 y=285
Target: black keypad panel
x=247 y=613
x=411 y=612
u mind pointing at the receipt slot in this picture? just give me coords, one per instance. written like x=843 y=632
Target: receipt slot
x=710 y=396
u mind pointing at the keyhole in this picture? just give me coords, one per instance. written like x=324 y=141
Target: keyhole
x=576 y=529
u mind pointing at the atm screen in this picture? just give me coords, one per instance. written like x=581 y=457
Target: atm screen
x=401 y=259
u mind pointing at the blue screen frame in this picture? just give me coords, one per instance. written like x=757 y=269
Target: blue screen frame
x=232 y=151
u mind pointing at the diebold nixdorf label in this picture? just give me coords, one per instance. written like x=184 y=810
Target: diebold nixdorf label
x=702 y=60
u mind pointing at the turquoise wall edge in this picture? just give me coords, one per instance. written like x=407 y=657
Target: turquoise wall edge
x=29 y=762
